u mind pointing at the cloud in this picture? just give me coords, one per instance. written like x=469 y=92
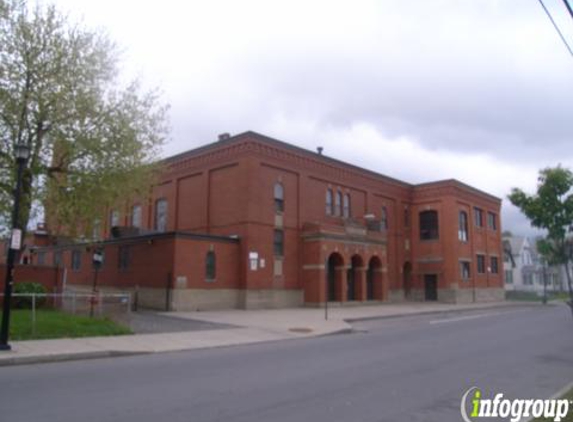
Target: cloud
x=477 y=90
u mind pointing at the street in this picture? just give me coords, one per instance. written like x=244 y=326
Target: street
x=412 y=369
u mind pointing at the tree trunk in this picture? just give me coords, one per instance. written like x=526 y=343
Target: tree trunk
x=568 y=275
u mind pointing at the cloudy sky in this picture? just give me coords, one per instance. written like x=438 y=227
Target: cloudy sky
x=478 y=90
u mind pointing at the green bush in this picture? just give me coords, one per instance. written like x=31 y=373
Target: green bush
x=28 y=288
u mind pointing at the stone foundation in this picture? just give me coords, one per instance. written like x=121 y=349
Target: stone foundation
x=271 y=299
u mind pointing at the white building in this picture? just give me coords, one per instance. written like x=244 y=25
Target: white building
x=524 y=269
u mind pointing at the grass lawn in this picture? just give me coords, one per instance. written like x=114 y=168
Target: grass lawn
x=569 y=417
x=56 y=324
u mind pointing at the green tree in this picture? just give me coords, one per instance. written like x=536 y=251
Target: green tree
x=93 y=140
x=551 y=208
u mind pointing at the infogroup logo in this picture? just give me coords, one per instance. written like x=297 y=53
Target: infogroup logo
x=513 y=410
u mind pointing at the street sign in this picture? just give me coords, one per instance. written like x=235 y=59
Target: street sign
x=16 y=242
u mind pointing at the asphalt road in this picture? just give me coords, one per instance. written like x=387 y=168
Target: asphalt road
x=409 y=369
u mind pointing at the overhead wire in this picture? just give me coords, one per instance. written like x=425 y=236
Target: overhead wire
x=555 y=24
x=568 y=6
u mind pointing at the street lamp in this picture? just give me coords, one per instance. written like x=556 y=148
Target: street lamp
x=21 y=153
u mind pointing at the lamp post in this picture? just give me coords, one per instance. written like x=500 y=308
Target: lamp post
x=22 y=153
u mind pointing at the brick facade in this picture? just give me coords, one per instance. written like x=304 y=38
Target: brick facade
x=378 y=239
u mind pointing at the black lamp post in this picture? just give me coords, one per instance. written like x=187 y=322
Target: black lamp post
x=22 y=153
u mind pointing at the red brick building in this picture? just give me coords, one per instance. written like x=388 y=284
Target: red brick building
x=250 y=221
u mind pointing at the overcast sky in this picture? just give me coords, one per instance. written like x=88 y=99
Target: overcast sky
x=477 y=90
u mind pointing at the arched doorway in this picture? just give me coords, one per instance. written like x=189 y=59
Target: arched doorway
x=334 y=262
x=373 y=280
x=353 y=278
x=407 y=280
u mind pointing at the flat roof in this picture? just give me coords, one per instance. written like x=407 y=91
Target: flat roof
x=315 y=155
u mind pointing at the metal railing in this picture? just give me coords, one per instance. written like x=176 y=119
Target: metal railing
x=95 y=304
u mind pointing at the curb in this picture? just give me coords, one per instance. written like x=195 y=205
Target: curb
x=442 y=311
x=64 y=357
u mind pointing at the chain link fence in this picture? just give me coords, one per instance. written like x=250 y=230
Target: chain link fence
x=98 y=304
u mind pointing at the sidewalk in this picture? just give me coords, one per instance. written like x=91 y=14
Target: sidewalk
x=252 y=326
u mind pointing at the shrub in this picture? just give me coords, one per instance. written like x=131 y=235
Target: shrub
x=26 y=301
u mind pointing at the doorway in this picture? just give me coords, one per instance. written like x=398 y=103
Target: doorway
x=431 y=287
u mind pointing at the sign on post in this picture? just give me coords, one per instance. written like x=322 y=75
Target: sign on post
x=16 y=242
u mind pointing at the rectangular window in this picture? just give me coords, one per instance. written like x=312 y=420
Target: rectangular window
x=463 y=226
x=384 y=219
x=406 y=217
x=278 y=243
x=465 y=270
x=114 y=218
x=494 y=265
x=136 y=216
x=76 y=259
x=279 y=195
x=480 y=264
x=478 y=217
x=57 y=258
x=492 y=221
x=429 y=229
x=210 y=266
x=123 y=258
x=161 y=215
x=508 y=277
x=41 y=258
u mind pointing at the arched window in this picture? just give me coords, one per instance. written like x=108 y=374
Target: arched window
x=384 y=219
x=329 y=210
x=346 y=206
x=161 y=215
x=429 y=228
x=210 y=266
x=338 y=204
x=463 y=226
x=279 y=197
x=136 y=216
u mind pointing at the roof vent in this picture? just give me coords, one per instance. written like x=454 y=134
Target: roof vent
x=319 y=150
x=224 y=136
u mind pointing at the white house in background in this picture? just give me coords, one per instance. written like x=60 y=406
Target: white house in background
x=524 y=269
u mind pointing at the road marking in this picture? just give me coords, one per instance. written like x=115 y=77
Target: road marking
x=463 y=318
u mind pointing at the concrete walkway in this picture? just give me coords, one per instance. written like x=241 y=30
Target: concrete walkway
x=252 y=326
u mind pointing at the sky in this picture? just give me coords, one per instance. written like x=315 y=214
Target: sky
x=476 y=90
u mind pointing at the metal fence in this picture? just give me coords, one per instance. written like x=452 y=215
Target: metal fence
x=94 y=304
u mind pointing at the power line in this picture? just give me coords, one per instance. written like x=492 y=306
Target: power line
x=568 y=6
x=555 y=25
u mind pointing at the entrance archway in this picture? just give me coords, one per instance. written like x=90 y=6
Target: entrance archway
x=333 y=276
x=374 y=280
x=353 y=279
